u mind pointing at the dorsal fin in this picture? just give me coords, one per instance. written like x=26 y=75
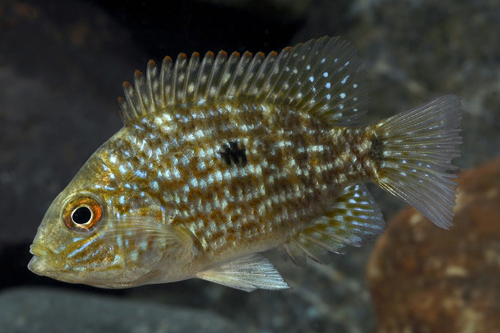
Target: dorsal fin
x=322 y=77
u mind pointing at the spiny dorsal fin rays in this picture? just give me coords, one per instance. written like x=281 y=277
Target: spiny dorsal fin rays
x=239 y=75
x=153 y=86
x=165 y=77
x=321 y=77
x=178 y=92
x=225 y=78
x=204 y=75
x=215 y=74
x=265 y=69
x=191 y=78
x=250 y=73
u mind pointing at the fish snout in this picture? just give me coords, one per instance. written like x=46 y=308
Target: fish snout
x=43 y=259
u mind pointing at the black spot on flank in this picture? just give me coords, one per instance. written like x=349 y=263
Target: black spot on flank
x=377 y=149
x=231 y=153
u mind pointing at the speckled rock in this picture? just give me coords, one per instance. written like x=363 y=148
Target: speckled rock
x=43 y=310
x=417 y=50
x=425 y=279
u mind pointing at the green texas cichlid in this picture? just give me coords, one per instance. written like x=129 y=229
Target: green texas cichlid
x=223 y=158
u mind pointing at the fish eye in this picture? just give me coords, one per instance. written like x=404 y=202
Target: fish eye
x=81 y=214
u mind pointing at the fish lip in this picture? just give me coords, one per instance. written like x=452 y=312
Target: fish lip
x=39 y=250
x=42 y=258
x=38 y=265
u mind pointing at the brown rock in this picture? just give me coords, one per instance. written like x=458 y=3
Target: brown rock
x=425 y=279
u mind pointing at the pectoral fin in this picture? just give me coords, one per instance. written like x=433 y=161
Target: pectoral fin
x=247 y=273
x=178 y=241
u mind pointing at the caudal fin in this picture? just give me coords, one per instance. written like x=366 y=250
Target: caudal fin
x=414 y=150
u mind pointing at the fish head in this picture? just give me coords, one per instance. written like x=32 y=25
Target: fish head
x=100 y=233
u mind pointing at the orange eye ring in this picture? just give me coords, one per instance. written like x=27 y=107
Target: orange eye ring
x=82 y=214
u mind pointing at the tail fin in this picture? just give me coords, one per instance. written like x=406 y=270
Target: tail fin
x=414 y=150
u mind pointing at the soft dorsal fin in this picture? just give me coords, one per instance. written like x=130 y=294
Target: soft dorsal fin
x=354 y=216
x=322 y=77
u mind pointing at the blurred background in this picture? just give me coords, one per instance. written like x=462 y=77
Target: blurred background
x=62 y=64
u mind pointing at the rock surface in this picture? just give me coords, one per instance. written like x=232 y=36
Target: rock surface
x=39 y=310
x=425 y=279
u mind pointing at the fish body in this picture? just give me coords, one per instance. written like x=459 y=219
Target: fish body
x=225 y=158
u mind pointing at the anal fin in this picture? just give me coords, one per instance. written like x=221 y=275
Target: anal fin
x=354 y=217
x=248 y=273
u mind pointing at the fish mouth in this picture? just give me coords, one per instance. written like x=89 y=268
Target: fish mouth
x=40 y=263
x=39 y=250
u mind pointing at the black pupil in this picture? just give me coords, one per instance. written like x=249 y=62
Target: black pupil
x=81 y=215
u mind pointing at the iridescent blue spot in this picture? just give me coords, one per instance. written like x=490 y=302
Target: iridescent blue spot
x=140 y=173
x=122 y=169
x=154 y=185
x=119 y=240
x=345 y=79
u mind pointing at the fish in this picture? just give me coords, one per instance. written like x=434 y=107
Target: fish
x=223 y=158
